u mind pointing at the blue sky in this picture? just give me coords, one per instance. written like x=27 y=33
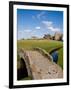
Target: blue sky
x=38 y=22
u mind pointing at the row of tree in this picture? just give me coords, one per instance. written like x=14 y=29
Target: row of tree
x=57 y=36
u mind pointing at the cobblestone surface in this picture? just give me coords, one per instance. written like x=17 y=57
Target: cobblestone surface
x=42 y=67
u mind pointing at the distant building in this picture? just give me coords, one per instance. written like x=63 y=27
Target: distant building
x=58 y=36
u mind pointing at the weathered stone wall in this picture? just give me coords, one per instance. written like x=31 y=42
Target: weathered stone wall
x=40 y=64
x=42 y=51
x=25 y=57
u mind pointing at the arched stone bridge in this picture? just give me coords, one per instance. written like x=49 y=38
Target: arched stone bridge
x=40 y=65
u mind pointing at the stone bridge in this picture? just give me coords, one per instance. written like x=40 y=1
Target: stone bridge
x=40 y=64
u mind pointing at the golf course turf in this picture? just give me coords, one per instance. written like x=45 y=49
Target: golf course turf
x=47 y=45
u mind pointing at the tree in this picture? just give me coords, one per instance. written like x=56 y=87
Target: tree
x=47 y=36
x=34 y=37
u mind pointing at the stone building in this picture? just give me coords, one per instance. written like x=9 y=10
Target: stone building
x=58 y=36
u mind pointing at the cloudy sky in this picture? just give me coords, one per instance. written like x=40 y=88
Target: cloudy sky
x=38 y=22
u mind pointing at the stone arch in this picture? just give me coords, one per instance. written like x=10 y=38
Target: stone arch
x=22 y=71
x=26 y=60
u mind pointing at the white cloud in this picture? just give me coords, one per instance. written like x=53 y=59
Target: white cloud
x=53 y=29
x=33 y=17
x=49 y=26
x=22 y=33
x=27 y=30
x=47 y=23
x=38 y=16
x=37 y=28
x=27 y=33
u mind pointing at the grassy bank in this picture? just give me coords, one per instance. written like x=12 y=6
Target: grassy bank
x=47 y=45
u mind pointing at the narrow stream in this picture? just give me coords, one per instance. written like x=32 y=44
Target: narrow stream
x=55 y=56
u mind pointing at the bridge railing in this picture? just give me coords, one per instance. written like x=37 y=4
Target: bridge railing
x=46 y=54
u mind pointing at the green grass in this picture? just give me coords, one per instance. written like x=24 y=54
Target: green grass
x=27 y=78
x=47 y=45
x=44 y=44
x=60 y=57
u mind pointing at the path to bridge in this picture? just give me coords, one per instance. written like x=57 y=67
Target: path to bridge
x=42 y=67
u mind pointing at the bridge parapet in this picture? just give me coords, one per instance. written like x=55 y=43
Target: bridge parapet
x=42 y=51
